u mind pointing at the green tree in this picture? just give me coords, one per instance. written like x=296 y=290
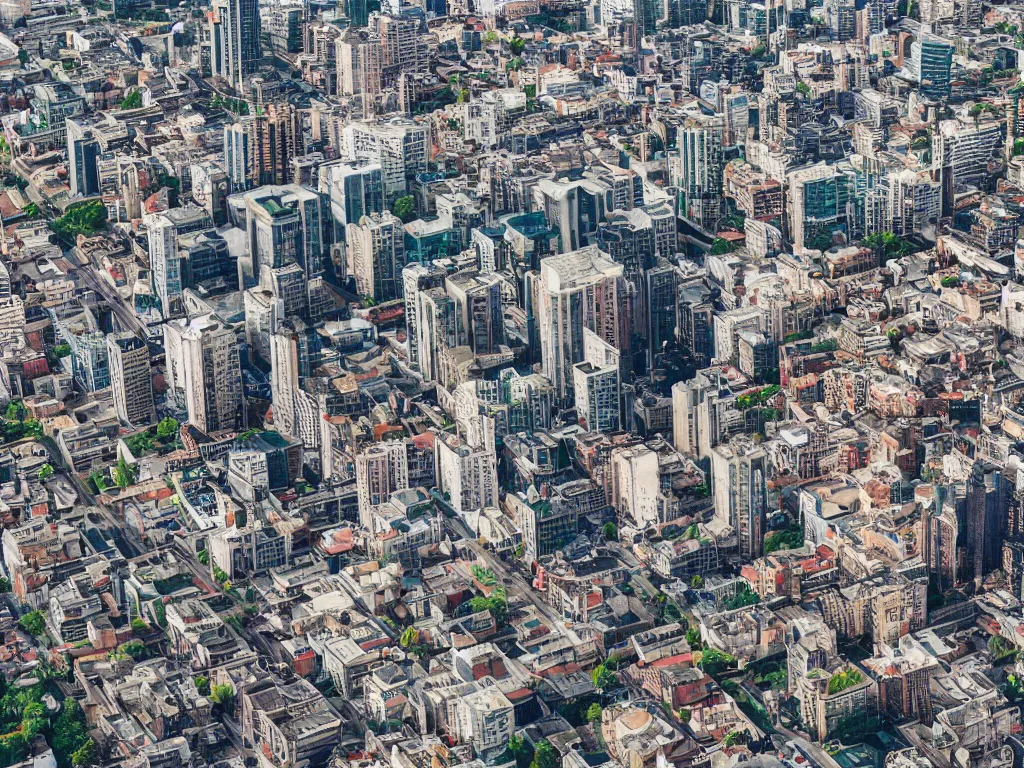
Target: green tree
x=714 y=661
x=33 y=622
x=22 y=56
x=405 y=208
x=15 y=411
x=167 y=428
x=496 y=604
x=62 y=350
x=86 y=218
x=138 y=625
x=603 y=678
x=545 y=756
x=743 y=598
x=124 y=474
x=693 y=637
x=998 y=647
x=202 y=685
x=224 y=695
x=684 y=715
x=517 y=45
x=203 y=557
x=132 y=101
x=409 y=638
x=732 y=738
x=520 y=750
x=85 y=755
x=70 y=733
x=45 y=472
x=720 y=246
x=610 y=531
x=697 y=582
x=134 y=648
x=846 y=678
x=140 y=443
x=5 y=585
x=594 y=712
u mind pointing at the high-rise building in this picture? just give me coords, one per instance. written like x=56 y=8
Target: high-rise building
x=359 y=57
x=435 y=329
x=285 y=225
x=90 y=364
x=415 y=279
x=628 y=239
x=259 y=149
x=381 y=469
x=131 y=379
x=239 y=25
x=661 y=288
x=986 y=520
x=166 y=261
x=596 y=385
x=740 y=472
x=577 y=290
x=83 y=159
x=376 y=255
x=696 y=168
x=817 y=206
x=293 y=349
x=403 y=42
x=479 y=320
x=237 y=155
x=573 y=208
x=355 y=189
x=203 y=370
x=931 y=62
x=683 y=13
x=469 y=475
x=401 y=146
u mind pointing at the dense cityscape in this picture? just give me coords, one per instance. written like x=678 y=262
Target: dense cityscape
x=511 y=384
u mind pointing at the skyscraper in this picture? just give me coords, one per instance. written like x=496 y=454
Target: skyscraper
x=381 y=470
x=240 y=27
x=596 y=384
x=986 y=520
x=355 y=189
x=166 y=262
x=203 y=370
x=740 y=471
x=577 y=290
x=931 y=61
x=478 y=311
x=696 y=168
x=818 y=197
x=285 y=225
x=468 y=474
x=402 y=147
x=259 y=149
x=376 y=255
x=131 y=379
x=83 y=158
x=360 y=59
x=661 y=283
x=415 y=279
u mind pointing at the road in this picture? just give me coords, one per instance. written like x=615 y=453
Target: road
x=126 y=318
x=510 y=579
x=809 y=748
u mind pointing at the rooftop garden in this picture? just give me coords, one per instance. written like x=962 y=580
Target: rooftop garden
x=844 y=679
